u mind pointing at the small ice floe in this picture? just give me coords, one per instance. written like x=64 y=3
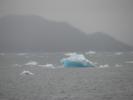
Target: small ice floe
x=104 y=66
x=50 y=65
x=129 y=62
x=76 y=60
x=47 y=66
x=118 y=53
x=118 y=65
x=90 y=52
x=26 y=72
x=31 y=63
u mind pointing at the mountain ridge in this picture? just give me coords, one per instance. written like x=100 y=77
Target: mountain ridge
x=33 y=33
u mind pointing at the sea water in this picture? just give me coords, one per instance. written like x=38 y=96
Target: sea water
x=41 y=76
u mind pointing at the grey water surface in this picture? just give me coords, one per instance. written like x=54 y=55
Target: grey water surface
x=111 y=82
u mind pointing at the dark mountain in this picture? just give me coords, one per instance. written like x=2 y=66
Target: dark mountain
x=35 y=34
x=102 y=42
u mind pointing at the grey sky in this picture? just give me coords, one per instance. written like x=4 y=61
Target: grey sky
x=114 y=17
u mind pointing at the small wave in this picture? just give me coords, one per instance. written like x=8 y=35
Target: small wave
x=118 y=53
x=31 y=63
x=48 y=66
x=90 y=52
x=26 y=72
x=22 y=54
x=104 y=66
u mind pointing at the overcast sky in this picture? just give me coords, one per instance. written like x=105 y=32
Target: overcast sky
x=114 y=17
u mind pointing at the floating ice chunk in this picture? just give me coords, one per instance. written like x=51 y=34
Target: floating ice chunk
x=129 y=62
x=50 y=65
x=25 y=72
x=118 y=53
x=76 y=60
x=47 y=66
x=104 y=66
x=31 y=63
x=91 y=52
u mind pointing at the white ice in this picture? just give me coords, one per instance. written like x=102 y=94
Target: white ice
x=91 y=52
x=77 y=58
x=47 y=66
x=32 y=63
x=104 y=66
x=26 y=72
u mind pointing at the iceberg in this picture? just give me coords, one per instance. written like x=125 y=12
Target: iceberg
x=76 y=60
